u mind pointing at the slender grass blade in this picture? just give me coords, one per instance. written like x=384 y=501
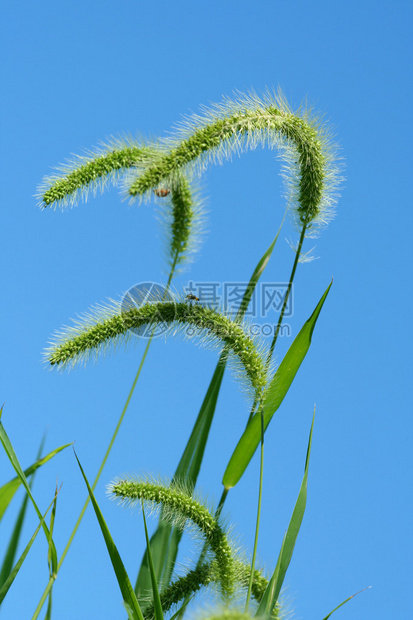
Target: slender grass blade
x=8 y=490
x=15 y=537
x=258 y=271
x=277 y=390
x=16 y=465
x=12 y=575
x=49 y=606
x=52 y=558
x=181 y=610
x=155 y=591
x=273 y=589
x=344 y=602
x=10 y=554
x=125 y=585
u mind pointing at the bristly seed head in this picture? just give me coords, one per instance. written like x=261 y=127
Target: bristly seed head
x=179 y=506
x=310 y=169
x=111 y=325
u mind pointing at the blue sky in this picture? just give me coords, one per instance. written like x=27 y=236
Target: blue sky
x=76 y=73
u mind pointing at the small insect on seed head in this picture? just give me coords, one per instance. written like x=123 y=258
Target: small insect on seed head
x=192 y=297
x=161 y=192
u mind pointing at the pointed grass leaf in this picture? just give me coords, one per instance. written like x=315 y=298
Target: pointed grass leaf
x=13 y=543
x=289 y=366
x=15 y=537
x=8 y=490
x=125 y=585
x=12 y=575
x=52 y=557
x=12 y=456
x=179 y=613
x=273 y=589
x=344 y=602
x=273 y=398
x=258 y=271
x=165 y=541
x=164 y=546
x=155 y=591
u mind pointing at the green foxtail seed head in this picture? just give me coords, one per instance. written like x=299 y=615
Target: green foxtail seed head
x=310 y=165
x=89 y=173
x=109 y=325
x=181 y=211
x=97 y=169
x=179 y=506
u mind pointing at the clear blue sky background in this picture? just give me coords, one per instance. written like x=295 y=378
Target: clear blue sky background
x=74 y=73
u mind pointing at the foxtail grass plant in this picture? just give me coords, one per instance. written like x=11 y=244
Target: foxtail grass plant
x=167 y=171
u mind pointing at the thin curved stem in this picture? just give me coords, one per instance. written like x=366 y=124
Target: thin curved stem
x=108 y=450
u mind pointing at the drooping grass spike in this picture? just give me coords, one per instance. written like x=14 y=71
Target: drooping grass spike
x=111 y=325
x=182 y=213
x=179 y=506
x=91 y=172
x=310 y=164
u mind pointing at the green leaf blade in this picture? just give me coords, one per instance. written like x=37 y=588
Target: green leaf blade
x=274 y=587
x=5 y=586
x=275 y=394
x=13 y=573
x=7 y=445
x=15 y=537
x=155 y=591
x=8 y=490
x=125 y=585
x=344 y=602
x=257 y=273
